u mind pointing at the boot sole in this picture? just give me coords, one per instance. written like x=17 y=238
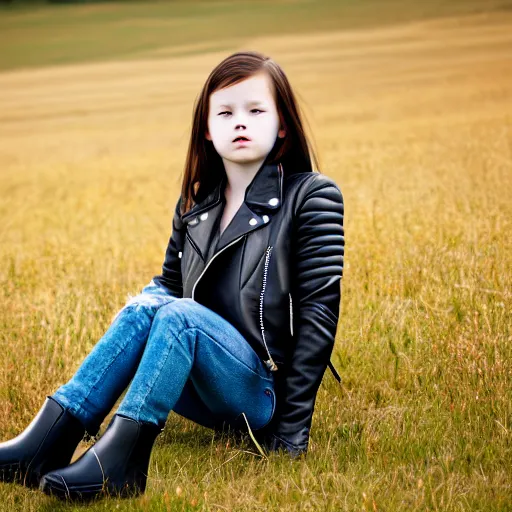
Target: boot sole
x=54 y=486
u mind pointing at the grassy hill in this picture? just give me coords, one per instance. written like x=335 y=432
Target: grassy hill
x=36 y=34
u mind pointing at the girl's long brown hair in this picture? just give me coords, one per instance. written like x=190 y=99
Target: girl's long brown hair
x=204 y=167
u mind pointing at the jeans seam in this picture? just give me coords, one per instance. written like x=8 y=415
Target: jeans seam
x=159 y=371
x=120 y=349
x=104 y=372
x=233 y=357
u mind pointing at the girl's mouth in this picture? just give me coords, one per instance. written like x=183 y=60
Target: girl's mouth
x=241 y=140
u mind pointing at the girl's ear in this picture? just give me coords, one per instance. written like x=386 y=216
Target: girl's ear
x=207 y=135
x=281 y=133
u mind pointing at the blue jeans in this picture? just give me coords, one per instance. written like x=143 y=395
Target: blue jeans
x=179 y=355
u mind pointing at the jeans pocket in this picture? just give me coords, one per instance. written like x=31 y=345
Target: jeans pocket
x=272 y=396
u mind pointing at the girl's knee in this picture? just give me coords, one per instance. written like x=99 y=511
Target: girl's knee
x=178 y=312
x=166 y=310
x=151 y=295
x=149 y=300
x=184 y=307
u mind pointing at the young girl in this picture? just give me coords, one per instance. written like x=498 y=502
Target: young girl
x=239 y=326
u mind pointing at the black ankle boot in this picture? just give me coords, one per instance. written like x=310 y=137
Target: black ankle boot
x=117 y=464
x=47 y=443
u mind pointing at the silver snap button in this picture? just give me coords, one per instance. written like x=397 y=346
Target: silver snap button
x=252 y=222
x=273 y=201
x=265 y=218
x=180 y=254
x=204 y=216
x=194 y=221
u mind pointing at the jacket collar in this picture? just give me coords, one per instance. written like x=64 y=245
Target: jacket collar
x=264 y=192
x=263 y=197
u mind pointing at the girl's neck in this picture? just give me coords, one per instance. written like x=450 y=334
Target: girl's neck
x=238 y=178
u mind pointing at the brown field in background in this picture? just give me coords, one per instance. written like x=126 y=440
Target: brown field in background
x=414 y=122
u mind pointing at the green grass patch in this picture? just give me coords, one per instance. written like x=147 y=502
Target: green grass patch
x=34 y=34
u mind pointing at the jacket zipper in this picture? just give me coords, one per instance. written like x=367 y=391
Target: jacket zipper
x=270 y=362
x=291 y=314
x=209 y=263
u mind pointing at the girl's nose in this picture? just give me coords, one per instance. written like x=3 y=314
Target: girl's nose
x=240 y=126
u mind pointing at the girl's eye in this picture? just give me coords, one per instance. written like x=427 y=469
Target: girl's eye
x=253 y=110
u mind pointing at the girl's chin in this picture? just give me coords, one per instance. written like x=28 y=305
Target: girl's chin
x=244 y=157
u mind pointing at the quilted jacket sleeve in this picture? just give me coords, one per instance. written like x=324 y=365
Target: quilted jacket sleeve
x=171 y=277
x=318 y=248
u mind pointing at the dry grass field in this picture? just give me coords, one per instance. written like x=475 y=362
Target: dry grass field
x=414 y=122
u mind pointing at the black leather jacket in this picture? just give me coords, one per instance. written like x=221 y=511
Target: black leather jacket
x=290 y=231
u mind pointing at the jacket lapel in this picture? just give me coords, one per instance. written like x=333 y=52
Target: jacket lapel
x=263 y=197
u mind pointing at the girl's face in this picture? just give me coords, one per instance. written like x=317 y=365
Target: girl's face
x=246 y=109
